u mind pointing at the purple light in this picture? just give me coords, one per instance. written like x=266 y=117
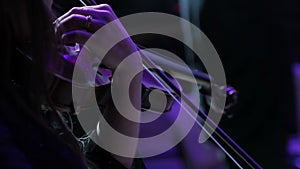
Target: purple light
x=297 y=162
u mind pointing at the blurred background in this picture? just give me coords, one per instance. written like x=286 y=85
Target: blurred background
x=258 y=42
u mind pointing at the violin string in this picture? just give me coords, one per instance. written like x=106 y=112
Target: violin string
x=92 y=2
x=83 y=3
x=195 y=119
x=89 y=2
x=167 y=87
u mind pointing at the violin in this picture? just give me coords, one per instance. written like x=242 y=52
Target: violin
x=60 y=93
x=60 y=87
x=153 y=79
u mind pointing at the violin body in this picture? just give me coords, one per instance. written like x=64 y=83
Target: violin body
x=60 y=88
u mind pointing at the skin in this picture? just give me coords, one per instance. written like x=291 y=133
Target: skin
x=71 y=28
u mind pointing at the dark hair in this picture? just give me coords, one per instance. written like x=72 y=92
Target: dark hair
x=28 y=30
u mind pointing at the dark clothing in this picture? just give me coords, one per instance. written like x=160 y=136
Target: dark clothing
x=41 y=155
x=26 y=144
x=102 y=159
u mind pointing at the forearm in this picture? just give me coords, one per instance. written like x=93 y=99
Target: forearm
x=117 y=112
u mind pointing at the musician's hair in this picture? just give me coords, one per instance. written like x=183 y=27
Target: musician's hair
x=23 y=86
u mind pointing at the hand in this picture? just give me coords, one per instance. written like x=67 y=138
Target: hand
x=80 y=23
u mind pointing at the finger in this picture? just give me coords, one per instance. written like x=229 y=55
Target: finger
x=77 y=21
x=76 y=36
x=74 y=10
x=78 y=10
x=104 y=7
x=74 y=21
x=89 y=10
